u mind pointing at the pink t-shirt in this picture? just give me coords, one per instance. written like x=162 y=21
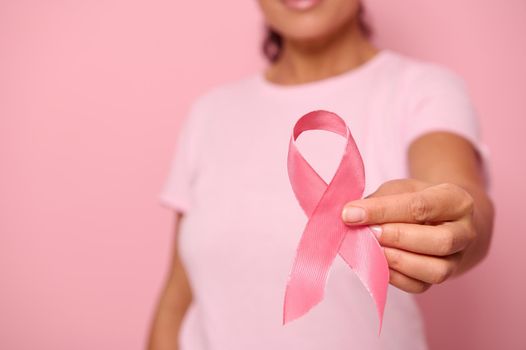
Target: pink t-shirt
x=242 y=222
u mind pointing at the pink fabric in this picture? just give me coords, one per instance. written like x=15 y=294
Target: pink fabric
x=242 y=222
x=325 y=234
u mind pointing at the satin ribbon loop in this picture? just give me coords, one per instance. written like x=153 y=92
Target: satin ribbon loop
x=325 y=234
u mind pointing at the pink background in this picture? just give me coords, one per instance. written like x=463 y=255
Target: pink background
x=91 y=96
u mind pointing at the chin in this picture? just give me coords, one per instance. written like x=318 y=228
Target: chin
x=304 y=20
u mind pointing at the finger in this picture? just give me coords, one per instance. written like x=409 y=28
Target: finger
x=433 y=204
x=425 y=268
x=398 y=186
x=439 y=240
x=407 y=284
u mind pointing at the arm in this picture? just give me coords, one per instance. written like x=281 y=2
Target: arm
x=443 y=157
x=173 y=303
x=436 y=224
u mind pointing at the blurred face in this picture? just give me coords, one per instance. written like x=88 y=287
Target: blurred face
x=306 y=20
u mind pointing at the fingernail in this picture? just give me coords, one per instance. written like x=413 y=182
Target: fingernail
x=377 y=230
x=353 y=214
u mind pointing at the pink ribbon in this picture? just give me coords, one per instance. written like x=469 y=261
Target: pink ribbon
x=325 y=234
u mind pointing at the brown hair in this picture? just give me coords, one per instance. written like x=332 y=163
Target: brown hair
x=273 y=42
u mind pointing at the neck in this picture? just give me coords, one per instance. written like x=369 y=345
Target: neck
x=303 y=62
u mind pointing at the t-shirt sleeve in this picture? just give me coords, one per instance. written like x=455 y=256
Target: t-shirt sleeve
x=177 y=191
x=439 y=101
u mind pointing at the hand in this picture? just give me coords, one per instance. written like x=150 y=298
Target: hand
x=423 y=228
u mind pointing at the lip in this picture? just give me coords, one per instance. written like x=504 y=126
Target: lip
x=300 y=5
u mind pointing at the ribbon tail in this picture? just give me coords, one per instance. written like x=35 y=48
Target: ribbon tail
x=362 y=252
x=316 y=252
x=301 y=295
x=306 y=285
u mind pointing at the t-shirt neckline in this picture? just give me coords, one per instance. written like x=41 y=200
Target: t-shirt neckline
x=322 y=84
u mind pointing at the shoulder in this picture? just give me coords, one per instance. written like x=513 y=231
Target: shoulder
x=416 y=75
x=217 y=106
x=223 y=95
x=215 y=101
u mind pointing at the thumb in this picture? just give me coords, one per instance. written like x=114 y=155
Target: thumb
x=398 y=186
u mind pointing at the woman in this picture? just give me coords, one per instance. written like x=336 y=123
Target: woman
x=238 y=223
